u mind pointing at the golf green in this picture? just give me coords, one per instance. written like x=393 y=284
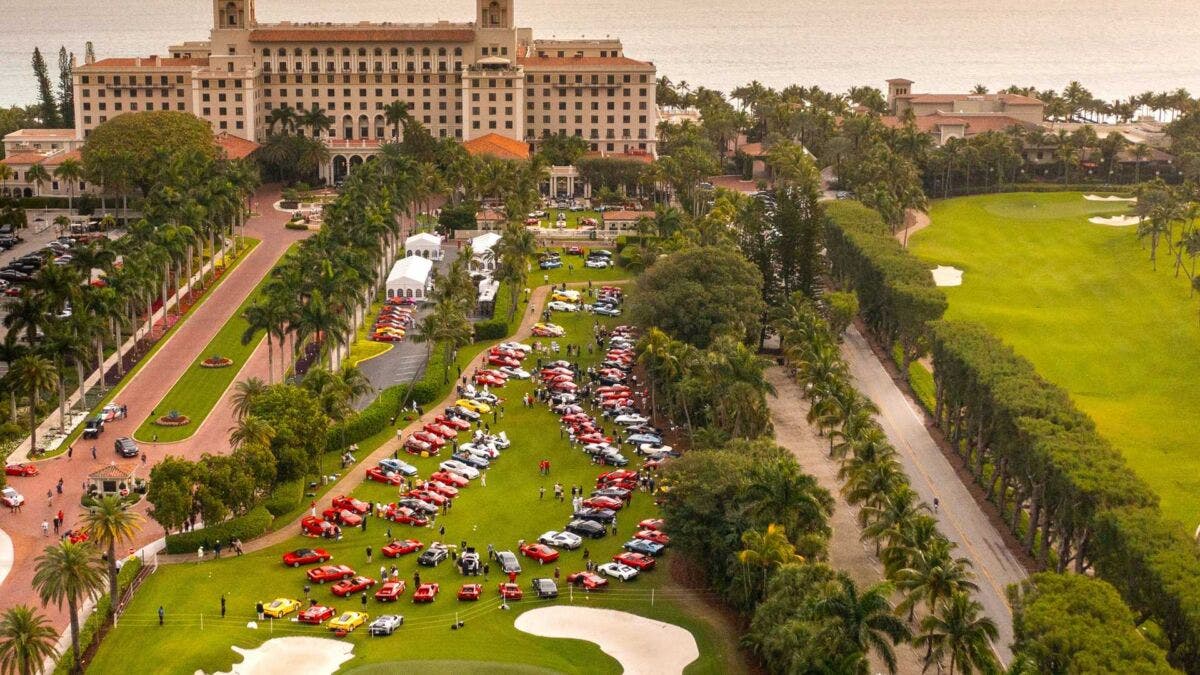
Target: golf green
x=1083 y=303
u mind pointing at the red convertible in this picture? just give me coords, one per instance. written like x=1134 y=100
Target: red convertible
x=442 y=489
x=315 y=527
x=638 y=561
x=539 y=552
x=20 y=470
x=329 y=573
x=654 y=536
x=652 y=524
x=348 y=586
x=342 y=517
x=414 y=446
x=453 y=422
x=380 y=476
x=490 y=378
x=425 y=593
x=470 y=591
x=589 y=580
x=390 y=591
x=603 y=503
x=305 y=556
x=407 y=516
x=510 y=591
x=398 y=548
x=433 y=440
x=441 y=430
x=447 y=478
x=316 y=614
x=428 y=496
x=351 y=504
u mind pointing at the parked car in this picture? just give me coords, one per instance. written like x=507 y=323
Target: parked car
x=603 y=503
x=539 y=552
x=305 y=556
x=425 y=593
x=456 y=467
x=643 y=546
x=379 y=475
x=433 y=556
x=316 y=614
x=508 y=562
x=342 y=517
x=469 y=563
x=511 y=591
x=605 y=310
x=347 y=586
x=589 y=580
x=597 y=262
x=94 y=427
x=385 y=625
x=587 y=528
x=329 y=573
x=348 y=621
x=604 y=516
x=390 y=591
x=639 y=560
x=618 y=571
x=565 y=540
x=449 y=478
x=397 y=548
x=316 y=527
x=544 y=588
x=125 y=447
x=407 y=516
x=24 y=470
x=470 y=591
x=280 y=607
x=358 y=506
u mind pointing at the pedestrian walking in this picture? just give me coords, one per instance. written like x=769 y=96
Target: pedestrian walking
x=483 y=479
x=222 y=605
x=935 y=504
x=368 y=554
x=45 y=528
x=93 y=452
x=364 y=601
x=542 y=492
x=55 y=524
x=160 y=615
x=486 y=569
x=416 y=579
x=258 y=607
x=442 y=531
x=70 y=451
x=59 y=486
x=364 y=525
x=556 y=573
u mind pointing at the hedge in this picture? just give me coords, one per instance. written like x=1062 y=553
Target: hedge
x=491 y=329
x=378 y=416
x=99 y=615
x=244 y=527
x=285 y=497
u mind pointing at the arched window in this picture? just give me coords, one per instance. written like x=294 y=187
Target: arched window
x=409 y=51
x=266 y=51
x=362 y=51
x=425 y=51
x=313 y=52
x=378 y=51
x=281 y=52
x=394 y=52
x=458 y=51
x=345 y=51
x=297 y=52
x=441 y=51
x=329 y=51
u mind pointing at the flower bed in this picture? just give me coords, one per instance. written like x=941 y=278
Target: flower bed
x=173 y=419
x=216 y=362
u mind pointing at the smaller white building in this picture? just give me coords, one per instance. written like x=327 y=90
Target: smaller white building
x=425 y=245
x=410 y=278
x=482 y=248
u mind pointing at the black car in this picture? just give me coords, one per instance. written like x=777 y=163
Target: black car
x=14 y=275
x=598 y=515
x=508 y=562
x=586 y=528
x=433 y=556
x=94 y=427
x=125 y=447
x=462 y=413
x=418 y=505
x=545 y=588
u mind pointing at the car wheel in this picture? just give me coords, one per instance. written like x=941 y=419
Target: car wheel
x=295 y=564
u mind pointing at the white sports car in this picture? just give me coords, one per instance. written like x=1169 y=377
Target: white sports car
x=559 y=306
x=515 y=373
x=386 y=624
x=565 y=540
x=456 y=467
x=618 y=571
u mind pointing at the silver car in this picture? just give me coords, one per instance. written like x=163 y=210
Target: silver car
x=565 y=540
x=386 y=624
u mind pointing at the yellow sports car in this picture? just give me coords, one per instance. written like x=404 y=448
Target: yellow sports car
x=477 y=406
x=281 y=607
x=348 y=621
x=565 y=296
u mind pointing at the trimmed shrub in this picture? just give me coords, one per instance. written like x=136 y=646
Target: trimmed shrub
x=492 y=329
x=245 y=527
x=285 y=497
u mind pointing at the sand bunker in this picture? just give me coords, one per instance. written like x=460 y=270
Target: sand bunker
x=641 y=645
x=1115 y=221
x=1109 y=198
x=947 y=276
x=292 y=655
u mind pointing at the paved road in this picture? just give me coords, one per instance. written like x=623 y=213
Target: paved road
x=959 y=516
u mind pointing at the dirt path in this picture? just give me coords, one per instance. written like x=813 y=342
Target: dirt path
x=914 y=222
x=847 y=552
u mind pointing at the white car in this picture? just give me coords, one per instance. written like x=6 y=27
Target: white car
x=632 y=419
x=568 y=409
x=560 y=306
x=386 y=624
x=565 y=540
x=485 y=396
x=598 y=448
x=516 y=347
x=618 y=571
x=655 y=451
x=515 y=373
x=499 y=440
x=11 y=498
x=456 y=467
x=484 y=450
x=597 y=263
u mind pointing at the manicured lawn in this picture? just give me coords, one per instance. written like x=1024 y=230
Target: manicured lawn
x=573 y=217
x=506 y=510
x=198 y=389
x=1082 y=303
x=115 y=393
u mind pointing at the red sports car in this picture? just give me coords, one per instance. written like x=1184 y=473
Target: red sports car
x=501 y=360
x=380 y=476
x=593 y=437
x=510 y=591
x=589 y=580
x=564 y=387
x=348 y=586
x=315 y=527
x=390 y=591
x=351 y=504
x=342 y=517
x=428 y=496
x=447 y=478
x=305 y=556
x=441 y=430
x=407 y=516
x=652 y=524
x=470 y=591
x=387 y=337
x=317 y=614
x=654 y=536
x=639 y=561
x=453 y=422
x=441 y=488
x=539 y=552
x=433 y=440
x=77 y=536
x=603 y=503
x=329 y=573
x=398 y=548
x=414 y=446
x=490 y=377
x=425 y=593
x=20 y=470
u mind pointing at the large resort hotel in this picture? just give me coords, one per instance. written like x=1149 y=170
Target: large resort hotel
x=460 y=80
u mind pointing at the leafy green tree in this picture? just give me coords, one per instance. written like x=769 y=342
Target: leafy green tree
x=562 y=149
x=68 y=573
x=27 y=640
x=66 y=90
x=299 y=426
x=170 y=492
x=34 y=375
x=123 y=153
x=110 y=523
x=47 y=107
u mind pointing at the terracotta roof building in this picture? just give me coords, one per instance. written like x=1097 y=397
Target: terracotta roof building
x=944 y=126
x=497 y=146
x=901 y=99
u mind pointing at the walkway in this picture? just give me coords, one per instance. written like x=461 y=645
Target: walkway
x=141 y=395
x=847 y=552
x=960 y=516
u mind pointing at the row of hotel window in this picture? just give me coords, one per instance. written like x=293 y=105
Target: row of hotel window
x=236 y=83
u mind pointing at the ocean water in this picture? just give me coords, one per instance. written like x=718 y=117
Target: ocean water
x=1114 y=47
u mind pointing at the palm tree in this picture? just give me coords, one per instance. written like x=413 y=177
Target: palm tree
x=284 y=116
x=110 y=522
x=68 y=573
x=34 y=374
x=251 y=430
x=396 y=114
x=37 y=175
x=958 y=630
x=1141 y=152
x=766 y=550
x=27 y=640
x=244 y=393
x=316 y=121
x=933 y=575
x=864 y=619
x=70 y=171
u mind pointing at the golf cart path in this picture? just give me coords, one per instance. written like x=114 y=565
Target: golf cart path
x=642 y=646
x=142 y=393
x=960 y=518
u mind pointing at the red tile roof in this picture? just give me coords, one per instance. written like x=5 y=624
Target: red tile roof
x=1010 y=99
x=642 y=157
x=974 y=123
x=60 y=157
x=752 y=150
x=110 y=472
x=627 y=216
x=500 y=147
x=582 y=63
x=489 y=216
x=235 y=147
x=145 y=62
x=371 y=33
x=24 y=159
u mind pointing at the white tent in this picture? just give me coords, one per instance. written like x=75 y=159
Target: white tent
x=410 y=278
x=481 y=247
x=424 y=244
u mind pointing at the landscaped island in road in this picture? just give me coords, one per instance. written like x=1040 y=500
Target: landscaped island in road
x=1082 y=302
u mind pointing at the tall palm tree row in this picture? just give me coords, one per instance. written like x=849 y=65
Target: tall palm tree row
x=27 y=640
x=69 y=574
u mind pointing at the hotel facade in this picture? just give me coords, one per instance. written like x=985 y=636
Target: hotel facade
x=460 y=80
